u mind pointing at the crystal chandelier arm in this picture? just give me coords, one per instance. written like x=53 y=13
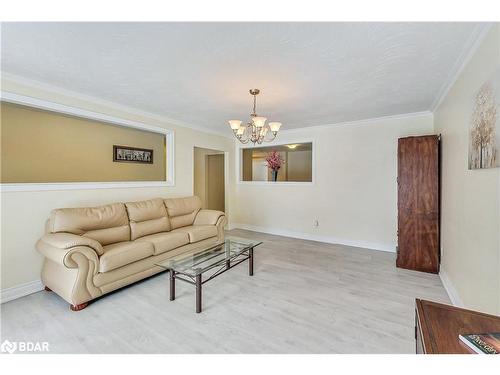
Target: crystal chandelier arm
x=270 y=139
x=245 y=137
x=262 y=135
x=273 y=135
x=244 y=141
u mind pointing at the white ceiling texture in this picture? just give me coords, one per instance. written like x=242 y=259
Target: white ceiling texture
x=199 y=73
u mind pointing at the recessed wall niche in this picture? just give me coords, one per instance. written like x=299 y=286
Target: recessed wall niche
x=40 y=146
x=296 y=163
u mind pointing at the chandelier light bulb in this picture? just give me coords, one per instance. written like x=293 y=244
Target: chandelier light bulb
x=240 y=130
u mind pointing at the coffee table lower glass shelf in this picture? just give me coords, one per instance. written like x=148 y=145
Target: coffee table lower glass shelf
x=212 y=260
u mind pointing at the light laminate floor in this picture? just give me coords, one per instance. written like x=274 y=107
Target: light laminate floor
x=305 y=297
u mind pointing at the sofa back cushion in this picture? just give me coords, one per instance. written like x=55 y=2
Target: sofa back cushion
x=106 y=224
x=182 y=211
x=147 y=217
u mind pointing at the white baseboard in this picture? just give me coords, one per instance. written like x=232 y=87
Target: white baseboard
x=450 y=289
x=315 y=237
x=22 y=290
x=230 y=226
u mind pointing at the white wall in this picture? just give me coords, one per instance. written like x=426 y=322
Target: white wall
x=354 y=193
x=470 y=198
x=24 y=213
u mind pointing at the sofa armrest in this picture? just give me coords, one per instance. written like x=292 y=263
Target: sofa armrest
x=55 y=246
x=71 y=263
x=208 y=217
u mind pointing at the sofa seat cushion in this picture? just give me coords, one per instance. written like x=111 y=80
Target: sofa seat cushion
x=163 y=242
x=122 y=253
x=198 y=232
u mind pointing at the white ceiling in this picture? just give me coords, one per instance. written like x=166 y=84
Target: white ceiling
x=199 y=73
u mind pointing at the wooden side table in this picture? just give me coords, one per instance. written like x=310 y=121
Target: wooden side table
x=437 y=327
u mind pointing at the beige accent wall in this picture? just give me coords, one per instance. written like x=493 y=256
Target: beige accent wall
x=354 y=195
x=470 y=198
x=247 y=165
x=42 y=146
x=215 y=182
x=23 y=214
x=298 y=166
x=200 y=169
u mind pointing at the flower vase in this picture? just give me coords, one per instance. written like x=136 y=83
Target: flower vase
x=274 y=174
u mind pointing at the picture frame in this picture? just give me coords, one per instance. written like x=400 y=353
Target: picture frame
x=128 y=154
x=484 y=137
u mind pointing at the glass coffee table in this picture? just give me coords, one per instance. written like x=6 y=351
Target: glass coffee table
x=211 y=260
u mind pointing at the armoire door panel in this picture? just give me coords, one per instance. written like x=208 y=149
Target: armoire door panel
x=408 y=240
x=428 y=175
x=427 y=256
x=418 y=203
x=407 y=172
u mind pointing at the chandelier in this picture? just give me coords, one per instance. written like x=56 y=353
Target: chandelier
x=256 y=130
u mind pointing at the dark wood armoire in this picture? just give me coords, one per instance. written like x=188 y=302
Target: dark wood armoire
x=418 y=203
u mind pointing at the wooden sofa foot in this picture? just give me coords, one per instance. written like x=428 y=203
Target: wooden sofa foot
x=78 y=307
x=47 y=289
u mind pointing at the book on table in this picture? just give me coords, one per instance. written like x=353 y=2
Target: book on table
x=482 y=343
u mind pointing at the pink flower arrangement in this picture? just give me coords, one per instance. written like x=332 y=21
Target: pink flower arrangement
x=274 y=160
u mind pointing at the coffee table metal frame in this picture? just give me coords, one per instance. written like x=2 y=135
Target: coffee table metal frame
x=218 y=268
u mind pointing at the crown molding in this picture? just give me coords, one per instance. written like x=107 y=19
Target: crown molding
x=360 y=122
x=468 y=51
x=38 y=85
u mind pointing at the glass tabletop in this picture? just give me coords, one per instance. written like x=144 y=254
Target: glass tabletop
x=199 y=260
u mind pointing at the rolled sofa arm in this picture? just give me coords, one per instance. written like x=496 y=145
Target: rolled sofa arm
x=71 y=262
x=208 y=217
x=64 y=241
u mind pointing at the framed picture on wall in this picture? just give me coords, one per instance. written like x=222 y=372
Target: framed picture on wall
x=484 y=135
x=129 y=154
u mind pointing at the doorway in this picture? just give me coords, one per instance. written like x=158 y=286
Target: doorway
x=209 y=181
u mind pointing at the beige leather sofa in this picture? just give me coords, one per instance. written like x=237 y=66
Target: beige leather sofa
x=92 y=251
